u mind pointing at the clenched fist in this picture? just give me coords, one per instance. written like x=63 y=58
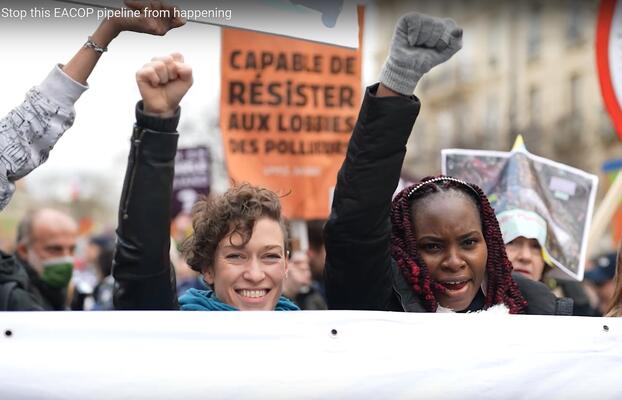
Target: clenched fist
x=419 y=43
x=162 y=83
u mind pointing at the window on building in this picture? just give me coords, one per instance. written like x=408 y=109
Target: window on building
x=462 y=121
x=494 y=41
x=534 y=30
x=465 y=70
x=576 y=22
x=575 y=94
x=605 y=127
x=535 y=104
x=492 y=119
x=446 y=128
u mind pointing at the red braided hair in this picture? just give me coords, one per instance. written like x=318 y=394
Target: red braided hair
x=500 y=287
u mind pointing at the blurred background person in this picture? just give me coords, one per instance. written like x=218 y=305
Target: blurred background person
x=39 y=276
x=615 y=305
x=86 y=272
x=186 y=278
x=600 y=279
x=317 y=255
x=298 y=285
x=524 y=234
x=102 y=293
x=38 y=279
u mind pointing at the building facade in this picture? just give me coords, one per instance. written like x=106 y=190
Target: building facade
x=526 y=67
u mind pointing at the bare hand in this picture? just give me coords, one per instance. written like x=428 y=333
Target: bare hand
x=163 y=82
x=156 y=18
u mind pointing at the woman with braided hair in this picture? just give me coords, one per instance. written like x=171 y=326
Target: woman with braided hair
x=437 y=246
x=430 y=218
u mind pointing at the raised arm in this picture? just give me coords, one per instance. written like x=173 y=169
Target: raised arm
x=144 y=277
x=28 y=132
x=357 y=234
x=79 y=68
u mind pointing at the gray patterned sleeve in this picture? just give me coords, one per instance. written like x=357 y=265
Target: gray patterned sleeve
x=30 y=131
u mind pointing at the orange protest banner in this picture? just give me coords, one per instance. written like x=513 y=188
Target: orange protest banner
x=287 y=110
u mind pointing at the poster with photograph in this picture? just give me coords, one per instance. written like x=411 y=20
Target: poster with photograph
x=562 y=195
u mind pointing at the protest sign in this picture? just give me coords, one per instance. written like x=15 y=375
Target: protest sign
x=609 y=58
x=192 y=178
x=562 y=195
x=288 y=108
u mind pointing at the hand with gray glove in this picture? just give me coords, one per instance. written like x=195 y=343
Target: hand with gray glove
x=419 y=43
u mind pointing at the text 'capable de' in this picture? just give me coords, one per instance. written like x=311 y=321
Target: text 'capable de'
x=291 y=62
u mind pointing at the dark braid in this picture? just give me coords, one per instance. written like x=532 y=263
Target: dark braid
x=500 y=287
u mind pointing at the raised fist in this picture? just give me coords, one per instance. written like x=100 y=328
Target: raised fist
x=419 y=43
x=162 y=83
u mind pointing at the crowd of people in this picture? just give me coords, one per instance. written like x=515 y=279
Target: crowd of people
x=437 y=246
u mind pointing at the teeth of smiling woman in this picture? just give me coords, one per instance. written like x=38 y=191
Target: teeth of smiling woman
x=454 y=285
x=253 y=293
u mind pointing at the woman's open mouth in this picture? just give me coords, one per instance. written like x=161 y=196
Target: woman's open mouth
x=454 y=285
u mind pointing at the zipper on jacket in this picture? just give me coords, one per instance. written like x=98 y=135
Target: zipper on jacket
x=399 y=297
x=134 y=156
x=394 y=284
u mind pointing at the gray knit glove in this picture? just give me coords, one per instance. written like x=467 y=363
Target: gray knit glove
x=419 y=43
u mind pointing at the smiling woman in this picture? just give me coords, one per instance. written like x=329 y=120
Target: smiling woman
x=239 y=239
x=239 y=246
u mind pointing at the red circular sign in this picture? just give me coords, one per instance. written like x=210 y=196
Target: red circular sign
x=608 y=57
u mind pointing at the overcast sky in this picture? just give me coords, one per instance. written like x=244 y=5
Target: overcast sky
x=98 y=142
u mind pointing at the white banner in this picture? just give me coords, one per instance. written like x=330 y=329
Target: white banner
x=307 y=355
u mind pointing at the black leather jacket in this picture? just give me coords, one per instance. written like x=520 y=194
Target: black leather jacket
x=145 y=279
x=360 y=273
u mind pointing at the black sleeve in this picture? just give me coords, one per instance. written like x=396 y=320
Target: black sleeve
x=145 y=279
x=14 y=285
x=357 y=234
x=22 y=300
x=540 y=299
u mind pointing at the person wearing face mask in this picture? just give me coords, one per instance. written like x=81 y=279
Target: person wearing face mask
x=29 y=131
x=37 y=278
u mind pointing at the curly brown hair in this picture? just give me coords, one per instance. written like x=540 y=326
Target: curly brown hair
x=235 y=211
